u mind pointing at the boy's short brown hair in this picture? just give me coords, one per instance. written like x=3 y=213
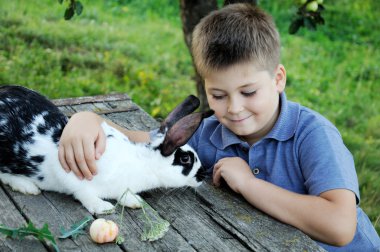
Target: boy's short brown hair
x=237 y=33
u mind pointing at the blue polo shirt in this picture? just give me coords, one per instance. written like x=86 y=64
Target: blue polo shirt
x=303 y=153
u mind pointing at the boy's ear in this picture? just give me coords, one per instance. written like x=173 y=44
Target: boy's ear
x=181 y=132
x=280 y=78
x=188 y=106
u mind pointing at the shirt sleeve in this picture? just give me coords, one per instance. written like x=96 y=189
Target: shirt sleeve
x=326 y=162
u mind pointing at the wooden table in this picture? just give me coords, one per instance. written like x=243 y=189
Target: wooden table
x=205 y=219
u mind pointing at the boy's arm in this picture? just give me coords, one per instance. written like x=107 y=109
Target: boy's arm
x=329 y=217
x=133 y=135
x=83 y=141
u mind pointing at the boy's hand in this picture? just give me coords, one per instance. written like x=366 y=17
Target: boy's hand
x=82 y=142
x=234 y=170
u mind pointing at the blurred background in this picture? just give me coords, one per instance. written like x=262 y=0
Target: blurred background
x=138 y=47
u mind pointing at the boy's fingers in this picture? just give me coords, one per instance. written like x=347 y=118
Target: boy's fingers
x=89 y=156
x=216 y=175
x=81 y=162
x=61 y=157
x=70 y=160
x=100 y=144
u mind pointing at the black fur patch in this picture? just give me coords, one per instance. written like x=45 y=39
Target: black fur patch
x=37 y=159
x=185 y=159
x=201 y=174
x=19 y=107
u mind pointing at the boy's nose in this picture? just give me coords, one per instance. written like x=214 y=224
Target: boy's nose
x=234 y=107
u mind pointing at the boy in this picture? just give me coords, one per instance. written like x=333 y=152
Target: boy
x=284 y=159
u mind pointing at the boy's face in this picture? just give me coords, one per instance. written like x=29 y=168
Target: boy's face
x=246 y=100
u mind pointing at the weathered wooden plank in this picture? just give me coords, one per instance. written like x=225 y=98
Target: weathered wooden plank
x=132 y=228
x=133 y=119
x=182 y=208
x=67 y=110
x=102 y=108
x=90 y=99
x=39 y=210
x=59 y=210
x=71 y=211
x=11 y=217
x=250 y=225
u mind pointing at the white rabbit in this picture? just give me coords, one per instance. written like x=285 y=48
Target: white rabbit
x=30 y=127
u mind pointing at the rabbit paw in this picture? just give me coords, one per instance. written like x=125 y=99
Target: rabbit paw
x=92 y=203
x=101 y=207
x=131 y=200
x=20 y=184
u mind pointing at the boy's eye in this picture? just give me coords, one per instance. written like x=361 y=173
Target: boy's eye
x=248 y=94
x=218 y=97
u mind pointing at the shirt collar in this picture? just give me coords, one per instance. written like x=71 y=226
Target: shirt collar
x=283 y=129
x=222 y=137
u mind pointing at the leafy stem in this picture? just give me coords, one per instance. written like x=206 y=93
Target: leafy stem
x=42 y=234
x=154 y=228
x=76 y=229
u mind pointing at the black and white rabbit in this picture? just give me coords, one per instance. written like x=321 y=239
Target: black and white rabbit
x=30 y=129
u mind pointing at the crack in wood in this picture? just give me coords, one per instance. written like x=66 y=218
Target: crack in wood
x=105 y=111
x=90 y=99
x=230 y=229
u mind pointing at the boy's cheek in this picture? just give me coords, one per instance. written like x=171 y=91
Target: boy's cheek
x=217 y=107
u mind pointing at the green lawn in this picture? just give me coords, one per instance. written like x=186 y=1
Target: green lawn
x=137 y=47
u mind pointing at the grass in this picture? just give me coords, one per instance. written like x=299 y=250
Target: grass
x=137 y=47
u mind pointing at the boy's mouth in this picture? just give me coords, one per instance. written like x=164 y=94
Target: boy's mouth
x=238 y=120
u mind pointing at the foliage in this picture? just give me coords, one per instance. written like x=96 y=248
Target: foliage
x=309 y=12
x=73 y=7
x=76 y=229
x=44 y=234
x=309 y=15
x=30 y=230
x=155 y=227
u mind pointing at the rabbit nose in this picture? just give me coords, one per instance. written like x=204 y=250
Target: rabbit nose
x=201 y=174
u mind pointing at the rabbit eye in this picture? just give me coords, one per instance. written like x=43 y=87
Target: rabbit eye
x=185 y=158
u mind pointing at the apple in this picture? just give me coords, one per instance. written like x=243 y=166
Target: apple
x=102 y=231
x=312 y=6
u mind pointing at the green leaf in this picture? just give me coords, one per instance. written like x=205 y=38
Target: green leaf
x=78 y=8
x=76 y=229
x=8 y=232
x=310 y=24
x=295 y=25
x=60 y=1
x=21 y=232
x=69 y=13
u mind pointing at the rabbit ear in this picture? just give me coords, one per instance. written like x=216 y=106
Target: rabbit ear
x=181 y=132
x=188 y=106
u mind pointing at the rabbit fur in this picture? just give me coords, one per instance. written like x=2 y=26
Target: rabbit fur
x=30 y=127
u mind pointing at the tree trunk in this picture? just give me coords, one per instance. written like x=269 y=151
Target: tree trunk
x=192 y=11
x=226 y=2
